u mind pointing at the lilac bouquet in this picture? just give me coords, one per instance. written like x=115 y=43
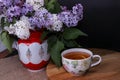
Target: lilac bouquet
x=18 y=17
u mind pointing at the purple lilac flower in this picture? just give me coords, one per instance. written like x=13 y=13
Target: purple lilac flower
x=68 y=18
x=33 y=22
x=17 y=2
x=13 y=11
x=6 y=3
x=71 y=17
x=26 y=8
x=42 y=18
x=1 y=7
x=78 y=10
x=64 y=8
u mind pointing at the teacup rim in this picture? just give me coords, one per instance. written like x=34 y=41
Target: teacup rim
x=65 y=51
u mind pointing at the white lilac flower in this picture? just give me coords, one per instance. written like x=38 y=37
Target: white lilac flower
x=31 y=2
x=57 y=24
x=22 y=29
x=37 y=4
x=26 y=20
x=10 y=29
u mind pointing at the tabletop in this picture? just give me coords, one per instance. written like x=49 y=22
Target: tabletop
x=12 y=69
x=109 y=69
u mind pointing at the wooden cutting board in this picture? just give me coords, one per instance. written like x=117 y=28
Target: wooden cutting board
x=109 y=69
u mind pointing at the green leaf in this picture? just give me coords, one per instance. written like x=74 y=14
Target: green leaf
x=14 y=20
x=55 y=52
x=53 y=6
x=72 y=33
x=44 y=35
x=71 y=43
x=45 y=2
x=51 y=41
x=7 y=23
x=2 y=21
x=7 y=40
x=57 y=7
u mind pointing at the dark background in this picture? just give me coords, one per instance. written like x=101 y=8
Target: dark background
x=101 y=22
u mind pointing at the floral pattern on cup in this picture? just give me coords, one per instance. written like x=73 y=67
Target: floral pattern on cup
x=80 y=66
x=76 y=67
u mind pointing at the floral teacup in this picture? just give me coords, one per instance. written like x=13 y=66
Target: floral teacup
x=80 y=64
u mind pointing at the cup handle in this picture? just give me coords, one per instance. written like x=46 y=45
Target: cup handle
x=96 y=63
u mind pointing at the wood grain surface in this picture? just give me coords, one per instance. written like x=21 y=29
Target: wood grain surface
x=109 y=69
